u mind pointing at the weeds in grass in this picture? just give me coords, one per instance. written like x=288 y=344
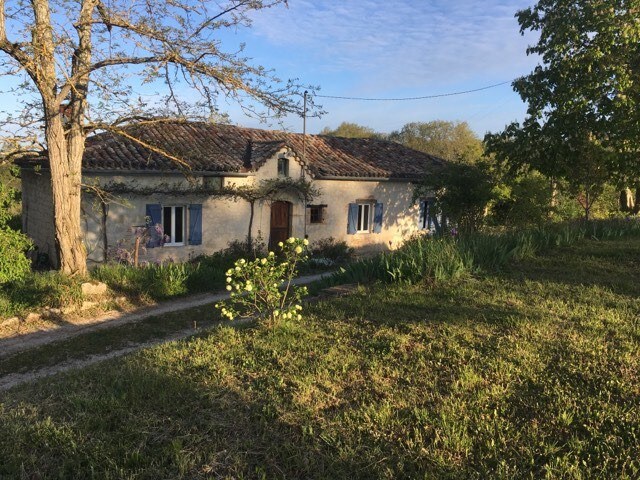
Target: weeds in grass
x=52 y=289
x=528 y=373
x=426 y=258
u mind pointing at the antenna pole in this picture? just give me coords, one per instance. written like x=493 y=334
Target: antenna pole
x=304 y=127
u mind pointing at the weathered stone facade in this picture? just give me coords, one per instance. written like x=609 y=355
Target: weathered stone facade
x=223 y=220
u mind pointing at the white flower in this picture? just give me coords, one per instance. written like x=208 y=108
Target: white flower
x=241 y=261
x=228 y=279
x=237 y=269
x=271 y=254
x=305 y=242
x=229 y=287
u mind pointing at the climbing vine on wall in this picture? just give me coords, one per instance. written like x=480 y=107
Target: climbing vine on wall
x=265 y=190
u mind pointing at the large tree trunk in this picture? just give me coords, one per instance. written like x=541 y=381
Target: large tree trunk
x=66 y=188
x=64 y=151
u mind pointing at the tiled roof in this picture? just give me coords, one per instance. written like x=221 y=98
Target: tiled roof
x=206 y=147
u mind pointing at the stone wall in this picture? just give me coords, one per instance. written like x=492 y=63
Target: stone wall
x=223 y=219
x=37 y=212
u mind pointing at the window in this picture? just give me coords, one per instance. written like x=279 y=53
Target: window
x=316 y=213
x=283 y=167
x=364 y=217
x=173 y=222
x=428 y=219
x=168 y=225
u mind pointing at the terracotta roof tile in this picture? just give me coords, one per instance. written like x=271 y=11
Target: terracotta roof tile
x=222 y=148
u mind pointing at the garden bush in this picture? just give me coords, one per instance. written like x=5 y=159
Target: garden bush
x=329 y=251
x=262 y=287
x=14 y=263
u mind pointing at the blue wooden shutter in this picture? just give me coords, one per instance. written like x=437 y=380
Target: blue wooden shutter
x=352 y=220
x=377 y=218
x=436 y=223
x=421 y=217
x=195 y=224
x=154 y=212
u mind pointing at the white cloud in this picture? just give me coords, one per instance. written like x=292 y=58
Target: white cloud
x=403 y=44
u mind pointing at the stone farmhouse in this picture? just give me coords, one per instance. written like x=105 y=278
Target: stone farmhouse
x=179 y=177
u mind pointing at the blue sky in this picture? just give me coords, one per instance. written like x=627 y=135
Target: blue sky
x=378 y=48
x=387 y=48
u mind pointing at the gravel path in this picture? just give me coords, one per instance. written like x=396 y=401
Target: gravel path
x=14 y=345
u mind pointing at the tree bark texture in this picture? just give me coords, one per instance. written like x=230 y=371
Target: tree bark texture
x=65 y=149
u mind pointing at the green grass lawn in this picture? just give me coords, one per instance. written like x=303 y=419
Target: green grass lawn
x=531 y=373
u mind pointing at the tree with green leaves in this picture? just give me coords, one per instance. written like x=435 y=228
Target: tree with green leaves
x=453 y=141
x=463 y=193
x=583 y=114
x=351 y=130
x=73 y=55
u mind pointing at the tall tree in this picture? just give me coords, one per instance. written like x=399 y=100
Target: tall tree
x=350 y=130
x=453 y=141
x=583 y=115
x=82 y=52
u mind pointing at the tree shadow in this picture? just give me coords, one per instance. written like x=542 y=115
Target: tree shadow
x=147 y=422
x=588 y=266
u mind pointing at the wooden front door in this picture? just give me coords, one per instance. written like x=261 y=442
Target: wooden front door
x=280 y=223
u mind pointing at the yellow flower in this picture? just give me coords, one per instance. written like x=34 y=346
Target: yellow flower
x=298 y=249
x=229 y=287
x=280 y=244
x=305 y=242
x=299 y=317
x=249 y=287
x=263 y=261
x=228 y=279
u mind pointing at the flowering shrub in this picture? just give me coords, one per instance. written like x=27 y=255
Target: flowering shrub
x=262 y=288
x=127 y=250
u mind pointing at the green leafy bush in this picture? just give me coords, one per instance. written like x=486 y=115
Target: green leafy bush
x=169 y=279
x=262 y=287
x=14 y=264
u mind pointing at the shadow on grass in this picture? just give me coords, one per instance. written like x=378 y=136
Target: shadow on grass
x=612 y=265
x=142 y=421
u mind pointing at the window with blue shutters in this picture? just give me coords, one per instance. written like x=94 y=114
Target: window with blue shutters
x=195 y=224
x=168 y=225
x=428 y=218
x=365 y=217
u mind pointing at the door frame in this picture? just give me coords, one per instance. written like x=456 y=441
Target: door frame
x=273 y=242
